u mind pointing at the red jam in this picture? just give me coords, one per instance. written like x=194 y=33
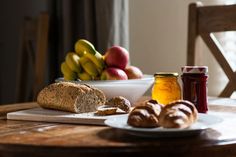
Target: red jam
x=194 y=86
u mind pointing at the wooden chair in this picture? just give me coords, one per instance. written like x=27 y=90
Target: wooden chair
x=32 y=57
x=203 y=21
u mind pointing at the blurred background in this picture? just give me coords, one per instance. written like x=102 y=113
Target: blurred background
x=154 y=32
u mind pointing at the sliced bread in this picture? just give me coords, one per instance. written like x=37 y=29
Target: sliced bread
x=71 y=97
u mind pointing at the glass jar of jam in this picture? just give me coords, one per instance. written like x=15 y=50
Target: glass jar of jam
x=194 y=79
x=166 y=88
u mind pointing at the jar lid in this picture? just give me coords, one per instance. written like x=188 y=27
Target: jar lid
x=194 y=69
x=166 y=74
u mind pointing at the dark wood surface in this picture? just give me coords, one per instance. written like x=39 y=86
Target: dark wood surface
x=25 y=138
x=203 y=21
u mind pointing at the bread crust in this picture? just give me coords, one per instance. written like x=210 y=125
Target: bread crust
x=71 y=97
x=106 y=111
x=120 y=102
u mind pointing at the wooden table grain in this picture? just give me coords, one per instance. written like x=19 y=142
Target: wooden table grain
x=25 y=138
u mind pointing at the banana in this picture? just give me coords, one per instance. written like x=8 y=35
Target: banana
x=69 y=78
x=88 y=66
x=97 y=59
x=84 y=76
x=82 y=46
x=67 y=72
x=72 y=60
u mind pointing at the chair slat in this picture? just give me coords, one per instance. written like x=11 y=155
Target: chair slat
x=216 y=18
x=228 y=90
x=217 y=52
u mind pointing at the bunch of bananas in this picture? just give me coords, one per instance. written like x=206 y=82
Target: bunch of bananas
x=85 y=63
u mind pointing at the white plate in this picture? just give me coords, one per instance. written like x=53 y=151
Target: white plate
x=204 y=121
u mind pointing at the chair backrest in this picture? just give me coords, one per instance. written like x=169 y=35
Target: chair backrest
x=32 y=57
x=203 y=21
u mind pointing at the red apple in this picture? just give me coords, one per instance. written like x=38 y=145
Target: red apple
x=117 y=56
x=133 y=72
x=112 y=73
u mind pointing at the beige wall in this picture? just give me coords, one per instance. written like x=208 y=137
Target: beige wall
x=158 y=38
x=158 y=34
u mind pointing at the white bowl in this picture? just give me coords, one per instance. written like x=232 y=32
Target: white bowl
x=131 y=89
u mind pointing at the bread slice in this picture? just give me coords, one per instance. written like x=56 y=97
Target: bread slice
x=71 y=97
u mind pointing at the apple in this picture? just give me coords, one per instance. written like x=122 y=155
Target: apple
x=117 y=56
x=133 y=72
x=112 y=73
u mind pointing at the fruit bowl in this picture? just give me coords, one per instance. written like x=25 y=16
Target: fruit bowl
x=131 y=89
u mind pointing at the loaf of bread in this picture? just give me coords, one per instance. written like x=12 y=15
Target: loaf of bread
x=66 y=96
x=178 y=114
x=145 y=115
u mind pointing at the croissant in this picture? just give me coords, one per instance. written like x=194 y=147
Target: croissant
x=178 y=114
x=145 y=115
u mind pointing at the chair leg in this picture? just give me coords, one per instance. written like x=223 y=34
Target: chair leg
x=41 y=54
x=21 y=80
x=192 y=34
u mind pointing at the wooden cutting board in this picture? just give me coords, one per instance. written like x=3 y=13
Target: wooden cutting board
x=45 y=115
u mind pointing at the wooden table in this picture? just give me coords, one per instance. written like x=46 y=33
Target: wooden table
x=24 y=138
